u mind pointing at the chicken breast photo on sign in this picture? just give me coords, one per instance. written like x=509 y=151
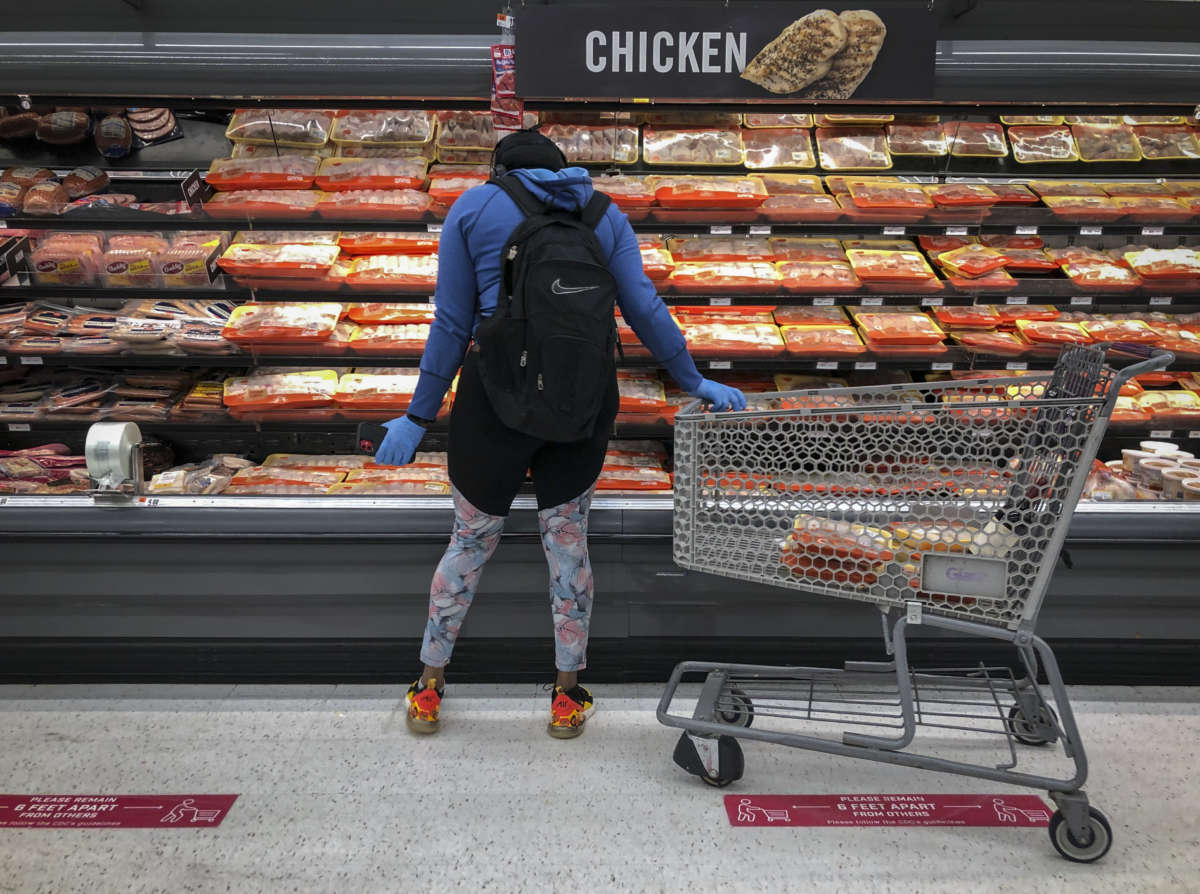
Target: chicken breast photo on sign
x=800 y=55
x=865 y=33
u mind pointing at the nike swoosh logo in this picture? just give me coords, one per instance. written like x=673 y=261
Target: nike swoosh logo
x=559 y=289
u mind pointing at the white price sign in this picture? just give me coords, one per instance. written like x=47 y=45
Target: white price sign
x=1162 y=433
x=720 y=302
x=719 y=364
x=720 y=229
x=1026 y=231
x=941 y=366
x=872 y=302
x=956 y=231
x=18 y=426
x=1016 y=364
x=433 y=228
x=822 y=302
x=1017 y=299
x=31 y=361
x=1152 y=231
x=1078 y=300
x=760 y=230
x=894 y=231
x=865 y=364
x=1194 y=435
x=1160 y=300
x=1091 y=231
x=827 y=364
x=937 y=301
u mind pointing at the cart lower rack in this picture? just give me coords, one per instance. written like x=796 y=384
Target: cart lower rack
x=945 y=504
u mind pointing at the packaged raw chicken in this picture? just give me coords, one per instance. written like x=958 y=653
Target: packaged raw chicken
x=823 y=342
x=889 y=265
x=630 y=194
x=991 y=341
x=311 y=388
x=1159 y=142
x=719 y=339
x=1054 y=333
x=802 y=248
x=973 y=139
x=391 y=313
x=603 y=144
x=917 y=139
x=972 y=260
x=935 y=245
x=1005 y=242
x=340 y=174
x=258 y=475
x=978 y=316
x=1168 y=263
x=287 y=237
x=283 y=260
x=697 y=192
x=267 y=172
x=800 y=119
x=388 y=243
x=278 y=203
x=1114 y=330
x=1157 y=209
x=1013 y=194
x=1011 y=314
x=388 y=204
x=870 y=193
x=626 y=479
x=372 y=391
x=704 y=313
x=407 y=273
x=899 y=328
x=445 y=186
x=756 y=277
x=1106 y=142
x=853 y=149
x=1022 y=120
x=721 y=248
x=959 y=195
x=791 y=184
x=1102 y=276
x=818 y=276
x=390 y=127
x=469 y=130
x=780 y=148
x=809 y=316
x=1084 y=209
x=693 y=146
x=282 y=323
x=257 y=150
x=1171 y=408
x=399 y=339
x=1183 y=188
x=1034 y=144
x=801 y=209
x=284 y=127
x=657 y=263
x=640 y=390
x=998 y=280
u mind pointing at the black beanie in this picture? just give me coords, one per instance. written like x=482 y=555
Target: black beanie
x=526 y=149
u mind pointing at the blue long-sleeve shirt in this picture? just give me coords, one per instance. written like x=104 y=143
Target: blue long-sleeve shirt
x=468 y=282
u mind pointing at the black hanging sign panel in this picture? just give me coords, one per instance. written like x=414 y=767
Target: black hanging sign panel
x=798 y=51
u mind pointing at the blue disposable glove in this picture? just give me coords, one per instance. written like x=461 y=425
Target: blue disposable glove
x=722 y=397
x=401 y=442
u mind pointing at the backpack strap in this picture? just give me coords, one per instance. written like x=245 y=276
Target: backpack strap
x=594 y=211
x=522 y=197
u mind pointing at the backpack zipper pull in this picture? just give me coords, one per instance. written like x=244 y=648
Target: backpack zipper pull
x=512 y=253
x=524 y=358
x=540 y=388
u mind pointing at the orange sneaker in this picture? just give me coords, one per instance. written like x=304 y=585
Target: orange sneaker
x=424 y=707
x=569 y=711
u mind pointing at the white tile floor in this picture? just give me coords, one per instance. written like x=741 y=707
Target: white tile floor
x=337 y=796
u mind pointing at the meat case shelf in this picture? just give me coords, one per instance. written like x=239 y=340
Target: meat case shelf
x=260 y=587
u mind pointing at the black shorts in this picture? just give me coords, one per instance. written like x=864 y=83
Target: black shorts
x=488 y=460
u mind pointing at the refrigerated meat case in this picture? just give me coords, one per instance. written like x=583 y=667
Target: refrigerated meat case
x=295 y=588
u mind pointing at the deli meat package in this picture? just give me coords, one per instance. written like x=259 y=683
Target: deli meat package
x=300 y=128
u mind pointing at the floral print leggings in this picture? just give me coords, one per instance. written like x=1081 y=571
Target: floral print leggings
x=472 y=542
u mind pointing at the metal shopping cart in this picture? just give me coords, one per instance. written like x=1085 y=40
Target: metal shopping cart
x=944 y=504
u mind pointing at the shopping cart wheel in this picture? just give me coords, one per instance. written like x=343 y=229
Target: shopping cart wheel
x=738 y=710
x=1097 y=837
x=729 y=764
x=1029 y=732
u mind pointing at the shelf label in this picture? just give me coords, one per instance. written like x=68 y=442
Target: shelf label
x=1194 y=435
x=865 y=364
x=941 y=365
x=3 y=225
x=1016 y=364
x=1026 y=230
x=148 y=502
x=822 y=302
x=1152 y=231
x=1162 y=433
x=18 y=426
x=1078 y=300
x=31 y=361
x=719 y=364
x=720 y=302
x=760 y=230
x=872 y=302
x=956 y=231
x=937 y=301
x=196 y=190
x=1160 y=300
x=894 y=231
x=433 y=228
x=720 y=230
x=1091 y=231
x=1017 y=299
x=827 y=364
x=12 y=259
x=211 y=267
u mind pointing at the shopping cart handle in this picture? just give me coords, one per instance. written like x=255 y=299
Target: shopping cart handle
x=1156 y=358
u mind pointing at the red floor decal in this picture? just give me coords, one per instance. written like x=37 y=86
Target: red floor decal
x=887 y=810
x=113 y=811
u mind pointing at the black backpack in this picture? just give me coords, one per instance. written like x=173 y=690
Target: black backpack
x=546 y=354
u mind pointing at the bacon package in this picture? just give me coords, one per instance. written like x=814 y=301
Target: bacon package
x=341 y=174
x=280 y=172
x=403 y=273
x=282 y=323
x=385 y=204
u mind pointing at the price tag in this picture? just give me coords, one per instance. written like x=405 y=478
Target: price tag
x=3 y=225
x=1152 y=231
x=827 y=364
x=936 y=301
x=31 y=361
x=1017 y=299
x=720 y=229
x=505 y=22
x=433 y=228
x=1162 y=433
x=822 y=302
x=1026 y=230
x=872 y=302
x=1016 y=364
x=18 y=426
x=720 y=302
x=13 y=257
x=894 y=231
x=196 y=189
x=1078 y=300
x=211 y=267
x=760 y=230
x=1091 y=231
x=864 y=364
x=941 y=365
x=149 y=502
x=956 y=231
x=3 y=501
x=1194 y=435
x=719 y=364
x=1160 y=300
